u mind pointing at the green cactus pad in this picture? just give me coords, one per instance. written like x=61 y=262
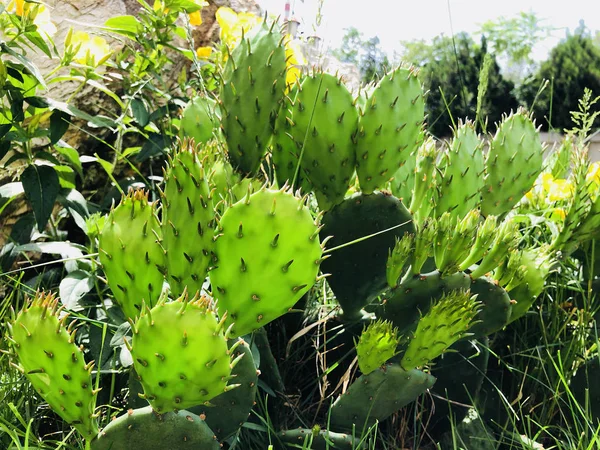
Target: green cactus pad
x=376 y=396
x=268 y=256
x=180 y=354
x=197 y=120
x=318 y=439
x=131 y=254
x=390 y=128
x=251 y=92
x=454 y=240
x=486 y=233
x=144 y=429
x=424 y=192
x=324 y=123
x=461 y=173
x=505 y=241
x=54 y=365
x=496 y=307
x=446 y=322
x=403 y=183
x=376 y=345
x=358 y=271
x=188 y=216
x=398 y=258
x=513 y=163
x=415 y=295
x=231 y=409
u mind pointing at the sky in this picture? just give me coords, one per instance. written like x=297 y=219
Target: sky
x=400 y=20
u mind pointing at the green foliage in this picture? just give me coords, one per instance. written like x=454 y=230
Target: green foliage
x=365 y=53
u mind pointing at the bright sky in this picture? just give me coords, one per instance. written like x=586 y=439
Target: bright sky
x=399 y=20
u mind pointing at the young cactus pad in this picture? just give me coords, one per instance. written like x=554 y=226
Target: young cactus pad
x=446 y=322
x=131 y=254
x=376 y=345
x=268 y=256
x=180 y=353
x=188 y=221
x=390 y=128
x=144 y=429
x=54 y=364
x=376 y=396
x=198 y=119
x=496 y=307
x=251 y=92
x=513 y=163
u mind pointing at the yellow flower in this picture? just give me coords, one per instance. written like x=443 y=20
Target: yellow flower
x=294 y=60
x=203 y=52
x=593 y=173
x=560 y=189
x=93 y=51
x=19 y=7
x=195 y=18
x=559 y=213
x=233 y=25
x=39 y=14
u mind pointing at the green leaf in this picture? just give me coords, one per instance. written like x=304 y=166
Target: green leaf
x=59 y=124
x=140 y=113
x=66 y=177
x=156 y=144
x=36 y=102
x=97 y=121
x=73 y=287
x=41 y=187
x=4 y=128
x=77 y=206
x=36 y=39
x=26 y=62
x=125 y=25
x=4 y=148
x=71 y=155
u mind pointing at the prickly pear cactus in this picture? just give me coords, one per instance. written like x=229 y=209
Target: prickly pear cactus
x=251 y=92
x=324 y=125
x=358 y=271
x=404 y=179
x=131 y=253
x=317 y=438
x=424 y=191
x=54 y=364
x=229 y=411
x=376 y=345
x=390 y=128
x=199 y=119
x=496 y=307
x=180 y=354
x=268 y=255
x=188 y=216
x=513 y=163
x=461 y=173
x=398 y=258
x=446 y=322
x=144 y=429
x=376 y=396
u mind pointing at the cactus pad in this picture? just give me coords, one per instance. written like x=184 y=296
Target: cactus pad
x=496 y=307
x=268 y=255
x=144 y=429
x=398 y=258
x=130 y=252
x=197 y=119
x=54 y=364
x=180 y=353
x=390 y=128
x=376 y=345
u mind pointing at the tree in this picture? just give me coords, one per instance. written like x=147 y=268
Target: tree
x=450 y=70
x=366 y=54
x=573 y=65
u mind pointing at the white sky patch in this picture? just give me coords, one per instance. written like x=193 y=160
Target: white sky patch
x=400 y=20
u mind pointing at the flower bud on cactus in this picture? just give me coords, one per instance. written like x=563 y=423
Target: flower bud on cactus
x=446 y=322
x=403 y=183
x=390 y=127
x=513 y=163
x=188 y=216
x=180 y=354
x=504 y=242
x=424 y=244
x=268 y=255
x=398 y=257
x=53 y=362
x=458 y=244
x=376 y=345
x=131 y=253
x=424 y=191
x=484 y=238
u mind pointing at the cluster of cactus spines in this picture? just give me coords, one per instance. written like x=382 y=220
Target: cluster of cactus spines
x=132 y=254
x=421 y=203
x=228 y=411
x=504 y=242
x=144 y=429
x=513 y=163
x=54 y=364
x=413 y=298
x=324 y=121
x=268 y=255
x=454 y=238
x=461 y=173
x=376 y=396
x=358 y=270
x=446 y=322
x=398 y=257
x=180 y=353
x=390 y=128
x=496 y=307
x=486 y=233
x=188 y=216
x=251 y=92
x=404 y=179
x=198 y=119
x=376 y=345
x=317 y=439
